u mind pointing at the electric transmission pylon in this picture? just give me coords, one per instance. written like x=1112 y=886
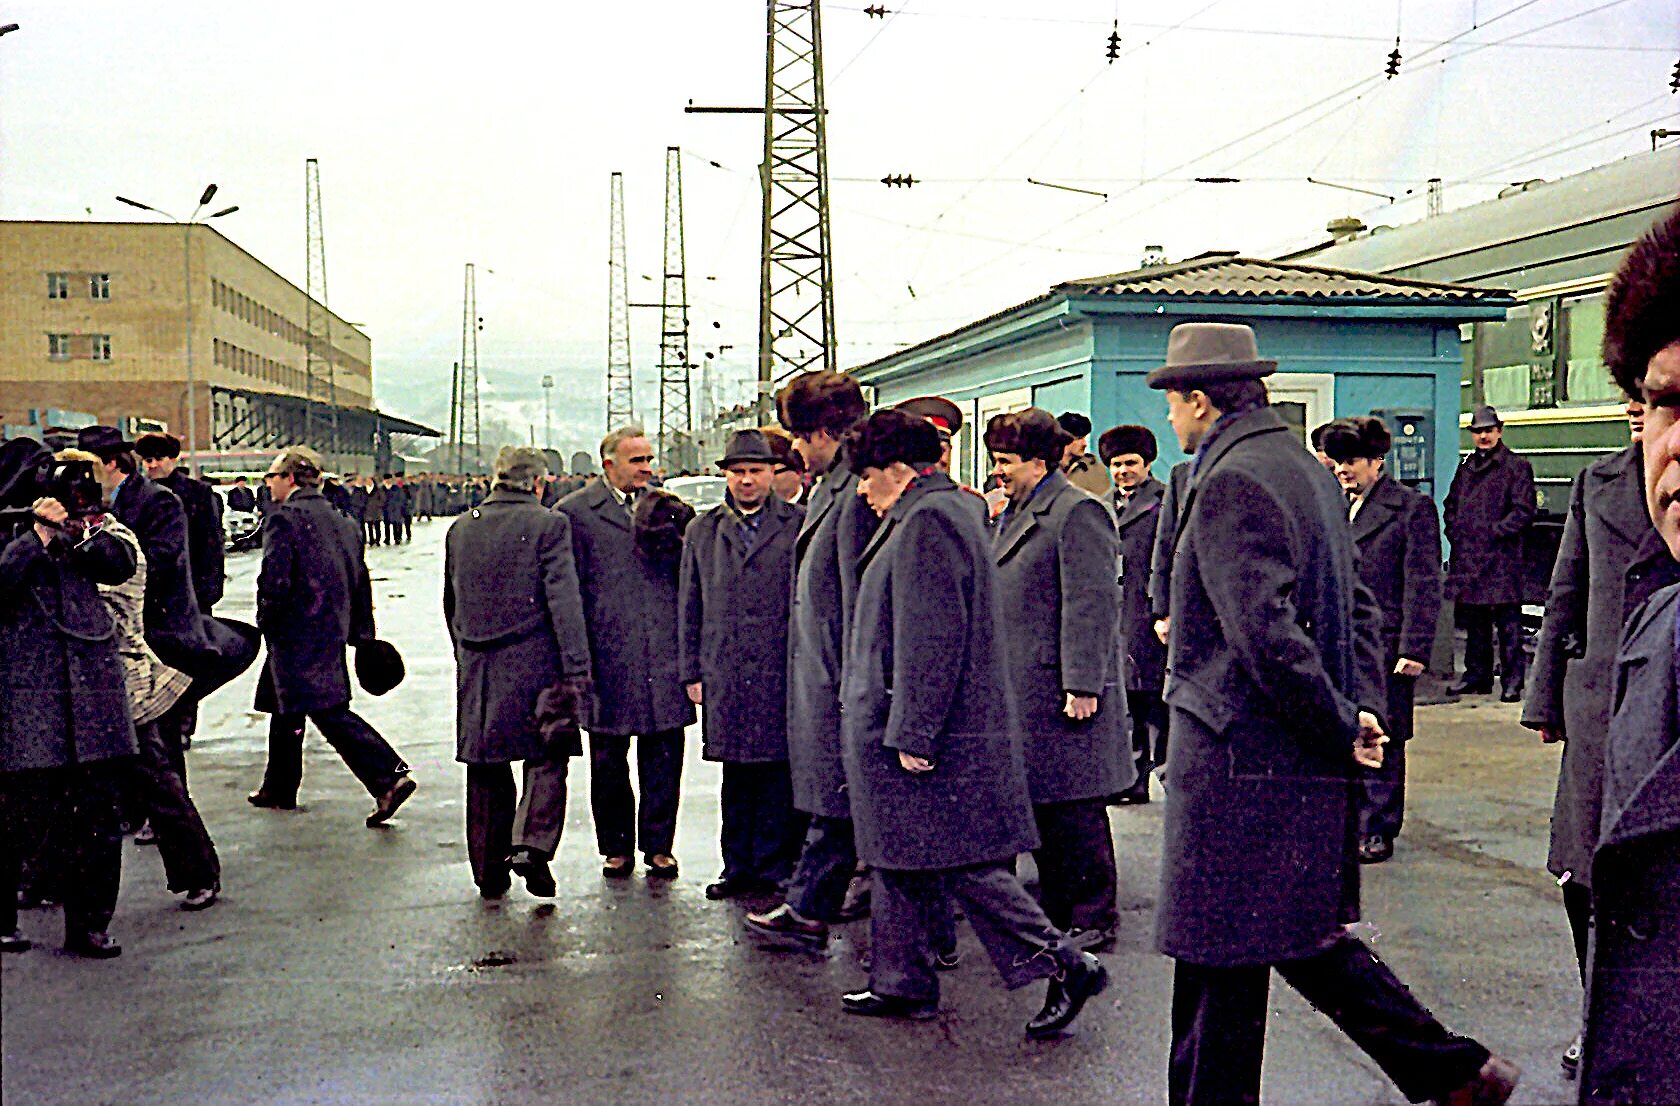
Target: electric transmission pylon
x=621 y=408
x=676 y=415
x=795 y=286
x=320 y=359
x=469 y=418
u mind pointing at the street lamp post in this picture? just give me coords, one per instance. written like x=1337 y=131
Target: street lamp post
x=548 y=425
x=186 y=226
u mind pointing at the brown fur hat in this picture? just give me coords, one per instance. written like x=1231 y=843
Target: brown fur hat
x=660 y=521
x=1642 y=312
x=1355 y=437
x=892 y=435
x=1034 y=434
x=820 y=401
x=1131 y=438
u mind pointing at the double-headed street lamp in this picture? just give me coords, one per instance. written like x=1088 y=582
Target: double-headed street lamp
x=186 y=259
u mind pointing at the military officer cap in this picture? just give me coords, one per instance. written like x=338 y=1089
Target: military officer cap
x=945 y=415
x=1199 y=354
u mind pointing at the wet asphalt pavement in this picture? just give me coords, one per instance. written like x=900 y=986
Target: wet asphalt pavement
x=357 y=966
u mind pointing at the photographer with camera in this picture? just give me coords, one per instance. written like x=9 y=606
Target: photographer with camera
x=66 y=739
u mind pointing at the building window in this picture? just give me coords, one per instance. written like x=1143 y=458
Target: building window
x=58 y=286
x=58 y=347
x=101 y=347
x=99 y=286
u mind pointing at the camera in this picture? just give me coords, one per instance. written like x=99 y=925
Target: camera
x=73 y=484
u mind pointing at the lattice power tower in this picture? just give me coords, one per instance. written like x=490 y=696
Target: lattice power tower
x=464 y=426
x=676 y=413
x=621 y=407
x=320 y=360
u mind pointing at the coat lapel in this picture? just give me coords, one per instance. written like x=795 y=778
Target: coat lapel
x=1379 y=510
x=777 y=514
x=1618 y=487
x=1023 y=522
x=1146 y=497
x=606 y=505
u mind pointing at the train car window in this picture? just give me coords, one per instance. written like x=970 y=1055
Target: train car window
x=1586 y=380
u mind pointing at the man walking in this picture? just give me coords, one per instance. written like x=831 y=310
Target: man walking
x=1272 y=667
x=630 y=609
x=158 y=453
x=1128 y=451
x=510 y=599
x=732 y=619
x=1490 y=504
x=313 y=600
x=1398 y=538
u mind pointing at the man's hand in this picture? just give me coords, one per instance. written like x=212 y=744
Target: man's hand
x=1368 y=746
x=1162 y=625
x=1406 y=666
x=1551 y=735
x=1079 y=707
x=52 y=511
x=695 y=691
x=914 y=764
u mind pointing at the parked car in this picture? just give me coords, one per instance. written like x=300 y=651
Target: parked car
x=700 y=492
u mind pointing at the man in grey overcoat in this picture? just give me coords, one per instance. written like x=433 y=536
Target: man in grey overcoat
x=1487 y=509
x=732 y=629
x=1397 y=536
x=932 y=741
x=1129 y=451
x=510 y=600
x=1058 y=565
x=630 y=609
x=1273 y=676
x=1570 y=683
x=1633 y=987
x=818 y=408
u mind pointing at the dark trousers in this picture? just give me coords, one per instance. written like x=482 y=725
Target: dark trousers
x=1076 y=866
x=1382 y=796
x=408 y=528
x=1479 y=622
x=364 y=752
x=189 y=856
x=78 y=807
x=498 y=821
x=393 y=531
x=373 y=529
x=1577 y=903
x=618 y=822
x=817 y=888
x=908 y=910
x=1149 y=729
x=761 y=830
x=1219 y=1026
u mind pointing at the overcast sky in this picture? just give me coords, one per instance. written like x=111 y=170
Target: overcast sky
x=487 y=133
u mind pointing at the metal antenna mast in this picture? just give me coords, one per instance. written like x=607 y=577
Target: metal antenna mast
x=321 y=359
x=676 y=414
x=471 y=324
x=621 y=408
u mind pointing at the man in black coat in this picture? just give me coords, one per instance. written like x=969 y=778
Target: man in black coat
x=1129 y=451
x=732 y=630
x=240 y=497
x=314 y=599
x=510 y=600
x=1398 y=538
x=395 y=511
x=630 y=608
x=1490 y=504
x=1272 y=678
x=206 y=544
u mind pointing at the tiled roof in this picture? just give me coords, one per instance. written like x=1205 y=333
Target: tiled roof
x=1221 y=274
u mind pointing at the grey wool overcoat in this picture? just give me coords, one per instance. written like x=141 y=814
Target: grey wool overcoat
x=1273 y=653
x=836 y=526
x=1398 y=538
x=1166 y=537
x=1574 y=670
x=1138 y=518
x=510 y=600
x=63 y=700
x=1489 y=505
x=630 y=608
x=925 y=674
x=1633 y=970
x=1058 y=565
x=732 y=627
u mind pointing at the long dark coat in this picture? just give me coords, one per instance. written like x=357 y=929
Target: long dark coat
x=925 y=674
x=1570 y=682
x=395 y=507
x=206 y=543
x=1398 y=538
x=170 y=613
x=313 y=599
x=1273 y=652
x=1633 y=985
x=511 y=602
x=1489 y=505
x=1058 y=564
x=732 y=627
x=836 y=527
x=63 y=699
x=1166 y=536
x=240 y=497
x=630 y=607
x=1137 y=519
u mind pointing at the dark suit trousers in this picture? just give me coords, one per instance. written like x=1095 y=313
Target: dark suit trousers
x=1479 y=622
x=817 y=888
x=908 y=910
x=393 y=531
x=761 y=830
x=496 y=824
x=79 y=804
x=1149 y=727
x=189 y=856
x=372 y=527
x=659 y=758
x=1382 y=796
x=364 y=752
x=1577 y=903
x=1219 y=1026
x=1076 y=867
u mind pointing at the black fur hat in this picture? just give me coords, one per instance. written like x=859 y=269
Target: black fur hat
x=1131 y=438
x=820 y=401
x=1642 y=313
x=1355 y=437
x=661 y=519
x=1031 y=433
x=893 y=435
x=1077 y=425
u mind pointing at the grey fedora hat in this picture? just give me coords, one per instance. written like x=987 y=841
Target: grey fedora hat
x=748 y=447
x=1210 y=353
x=1485 y=417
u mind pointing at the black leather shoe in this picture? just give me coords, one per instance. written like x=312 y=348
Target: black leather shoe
x=783 y=928
x=868 y=1004
x=1491 y=1087
x=727 y=888
x=1511 y=695
x=15 y=941
x=493 y=891
x=1095 y=939
x=264 y=799
x=1570 y=1061
x=534 y=870
x=1375 y=849
x=1465 y=687
x=94 y=946
x=618 y=871
x=662 y=871
x=391 y=800
x=202 y=898
x=1069 y=990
